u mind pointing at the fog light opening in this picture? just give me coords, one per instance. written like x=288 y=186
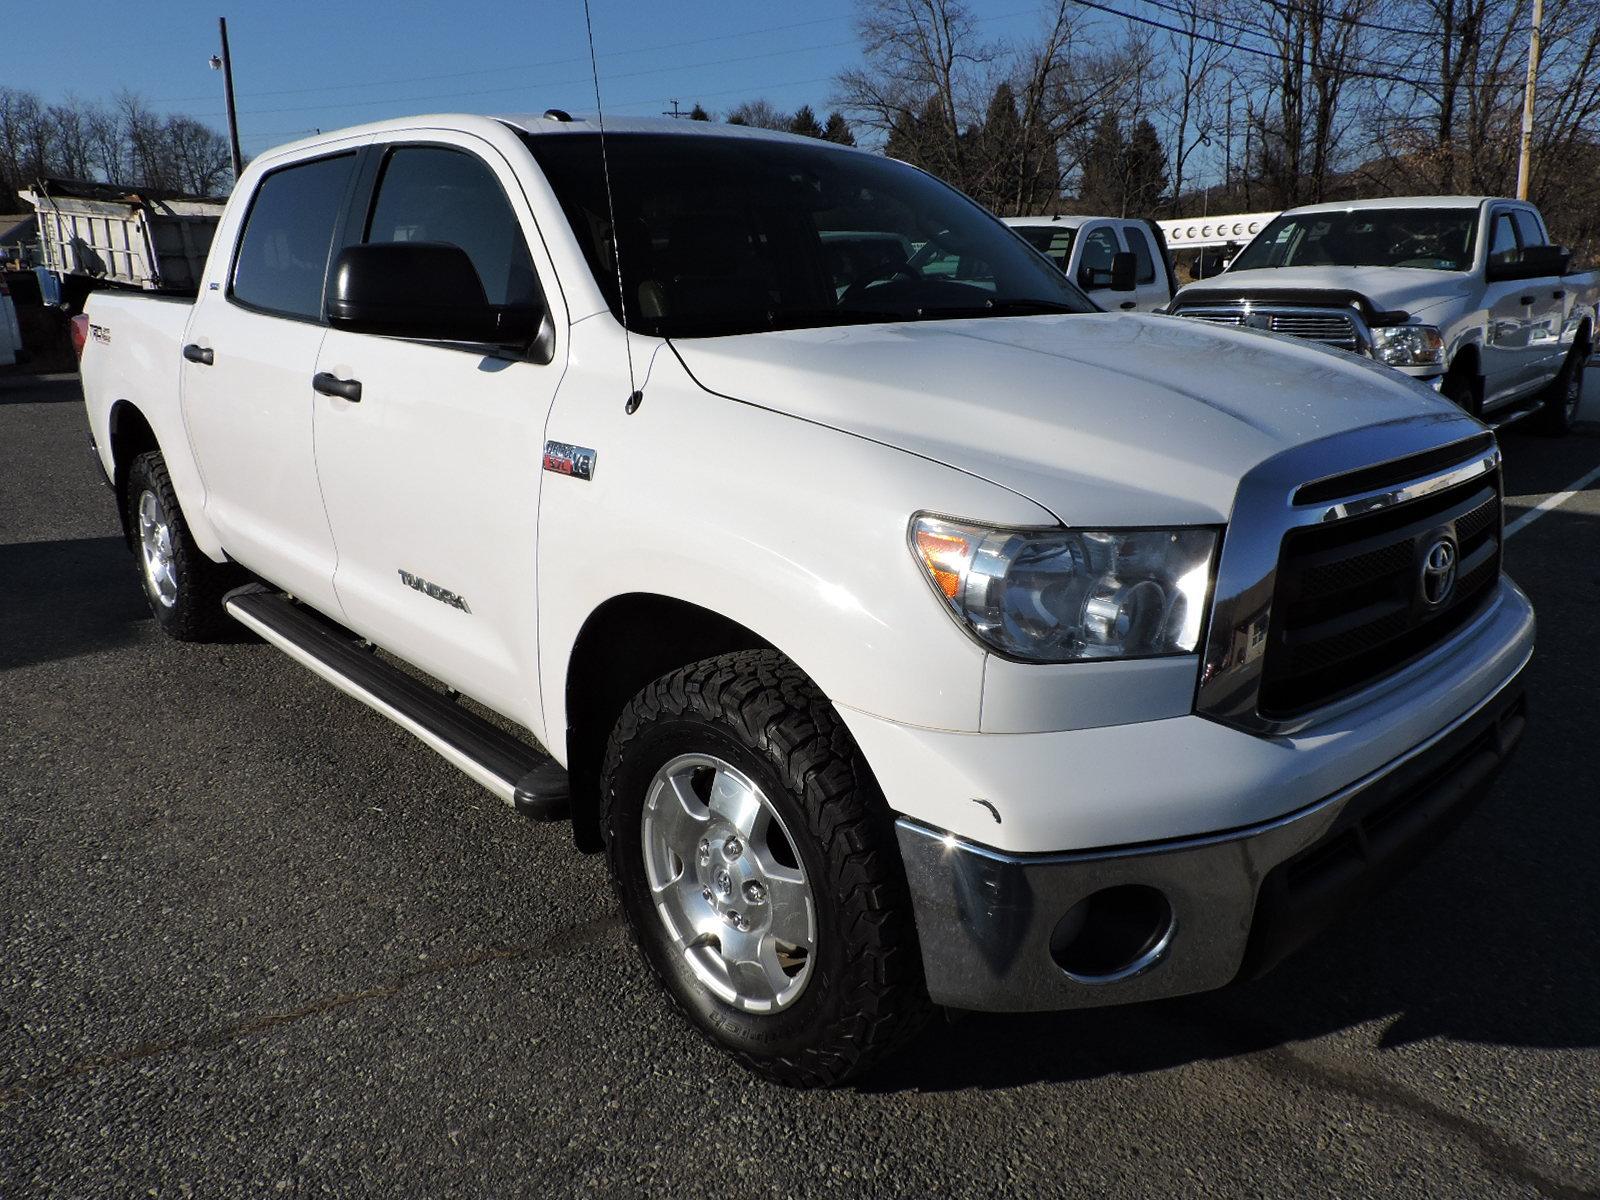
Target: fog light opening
x=1113 y=934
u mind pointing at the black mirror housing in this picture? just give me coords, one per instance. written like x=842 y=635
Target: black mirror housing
x=1537 y=262
x=425 y=290
x=1124 y=265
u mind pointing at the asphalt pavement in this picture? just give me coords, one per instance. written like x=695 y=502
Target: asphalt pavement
x=256 y=941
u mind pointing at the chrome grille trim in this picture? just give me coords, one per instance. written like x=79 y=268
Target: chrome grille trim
x=1264 y=512
x=1341 y=328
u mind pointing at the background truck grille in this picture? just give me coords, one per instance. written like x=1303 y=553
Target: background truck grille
x=1349 y=608
x=1330 y=327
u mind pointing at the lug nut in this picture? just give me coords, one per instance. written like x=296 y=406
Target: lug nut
x=732 y=917
x=733 y=847
x=705 y=851
x=706 y=892
x=755 y=891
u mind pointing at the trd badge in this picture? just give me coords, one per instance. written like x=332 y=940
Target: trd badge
x=564 y=459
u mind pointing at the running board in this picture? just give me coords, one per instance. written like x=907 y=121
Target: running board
x=520 y=774
x=1512 y=417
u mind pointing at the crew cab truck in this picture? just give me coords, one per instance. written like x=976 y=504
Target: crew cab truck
x=1466 y=293
x=1121 y=263
x=905 y=641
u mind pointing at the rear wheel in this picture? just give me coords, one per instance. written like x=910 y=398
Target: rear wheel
x=1558 y=411
x=756 y=861
x=183 y=586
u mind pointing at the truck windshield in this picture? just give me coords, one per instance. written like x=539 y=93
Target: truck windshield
x=1433 y=239
x=725 y=235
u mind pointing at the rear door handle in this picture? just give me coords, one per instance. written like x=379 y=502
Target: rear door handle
x=1525 y=300
x=331 y=385
x=199 y=354
x=1129 y=304
x=1558 y=294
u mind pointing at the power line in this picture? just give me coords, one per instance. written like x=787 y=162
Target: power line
x=1342 y=18
x=1366 y=64
x=1275 y=56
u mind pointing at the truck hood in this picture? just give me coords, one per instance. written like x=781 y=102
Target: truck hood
x=1386 y=288
x=1104 y=418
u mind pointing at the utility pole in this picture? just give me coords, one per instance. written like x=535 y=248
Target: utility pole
x=676 y=111
x=1525 y=162
x=227 y=87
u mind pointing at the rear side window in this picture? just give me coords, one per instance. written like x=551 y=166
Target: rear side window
x=1140 y=245
x=434 y=194
x=283 y=251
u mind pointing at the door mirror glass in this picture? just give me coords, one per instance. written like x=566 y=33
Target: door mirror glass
x=422 y=290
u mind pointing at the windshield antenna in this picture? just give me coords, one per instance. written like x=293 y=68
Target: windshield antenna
x=635 y=396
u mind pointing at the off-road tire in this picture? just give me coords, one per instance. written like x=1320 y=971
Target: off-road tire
x=757 y=711
x=1558 y=410
x=196 y=614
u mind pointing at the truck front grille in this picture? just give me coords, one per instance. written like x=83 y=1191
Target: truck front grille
x=1351 y=604
x=1331 y=327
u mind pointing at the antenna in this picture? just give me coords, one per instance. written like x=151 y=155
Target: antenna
x=635 y=396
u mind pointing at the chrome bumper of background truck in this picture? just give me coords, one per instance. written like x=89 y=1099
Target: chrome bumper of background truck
x=1007 y=932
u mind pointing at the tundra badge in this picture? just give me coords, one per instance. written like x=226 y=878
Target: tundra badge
x=433 y=589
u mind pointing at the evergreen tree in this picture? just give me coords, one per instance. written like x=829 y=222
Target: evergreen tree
x=804 y=123
x=1000 y=161
x=1101 y=185
x=1145 y=173
x=838 y=130
x=699 y=114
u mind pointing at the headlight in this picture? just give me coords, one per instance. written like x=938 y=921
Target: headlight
x=1408 y=346
x=1062 y=595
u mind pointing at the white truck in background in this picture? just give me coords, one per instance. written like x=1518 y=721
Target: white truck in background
x=1121 y=262
x=1466 y=293
x=906 y=631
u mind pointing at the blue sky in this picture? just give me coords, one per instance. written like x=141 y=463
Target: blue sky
x=301 y=66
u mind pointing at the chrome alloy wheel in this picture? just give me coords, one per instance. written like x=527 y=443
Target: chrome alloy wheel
x=728 y=884
x=155 y=548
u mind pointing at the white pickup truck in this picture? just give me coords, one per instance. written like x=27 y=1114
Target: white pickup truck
x=906 y=640
x=1120 y=262
x=1464 y=292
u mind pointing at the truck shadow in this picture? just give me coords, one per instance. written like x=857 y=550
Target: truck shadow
x=1490 y=940
x=66 y=598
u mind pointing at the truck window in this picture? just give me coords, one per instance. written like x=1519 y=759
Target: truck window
x=1139 y=243
x=1099 y=247
x=1503 y=250
x=436 y=194
x=1528 y=231
x=283 y=252
x=724 y=235
x=1054 y=242
x=1429 y=239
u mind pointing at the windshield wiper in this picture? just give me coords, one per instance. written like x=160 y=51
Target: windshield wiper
x=1017 y=307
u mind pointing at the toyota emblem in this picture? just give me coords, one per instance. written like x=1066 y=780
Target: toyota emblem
x=1438 y=572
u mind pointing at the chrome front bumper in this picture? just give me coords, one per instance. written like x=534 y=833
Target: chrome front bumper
x=1238 y=900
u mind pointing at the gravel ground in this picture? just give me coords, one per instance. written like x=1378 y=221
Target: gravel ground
x=258 y=941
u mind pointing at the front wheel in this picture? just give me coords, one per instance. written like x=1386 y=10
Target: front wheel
x=757 y=864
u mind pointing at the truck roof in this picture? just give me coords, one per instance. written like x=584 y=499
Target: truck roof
x=1394 y=202
x=1064 y=221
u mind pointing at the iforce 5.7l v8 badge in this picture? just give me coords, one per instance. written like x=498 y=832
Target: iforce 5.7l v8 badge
x=577 y=461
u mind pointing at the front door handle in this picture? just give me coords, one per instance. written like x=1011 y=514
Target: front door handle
x=331 y=385
x=199 y=354
x=1129 y=304
x=1558 y=294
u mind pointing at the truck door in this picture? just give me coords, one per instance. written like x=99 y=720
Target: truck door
x=431 y=479
x=1097 y=244
x=1508 y=356
x=1150 y=290
x=246 y=383
x=1548 y=312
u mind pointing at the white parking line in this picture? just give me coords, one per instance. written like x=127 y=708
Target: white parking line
x=1551 y=502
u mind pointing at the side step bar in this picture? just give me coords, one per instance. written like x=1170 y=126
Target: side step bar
x=519 y=773
x=1511 y=417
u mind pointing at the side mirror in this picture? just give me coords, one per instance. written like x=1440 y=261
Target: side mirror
x=421 y=290
x=1537 y=262
x=1123 y=267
